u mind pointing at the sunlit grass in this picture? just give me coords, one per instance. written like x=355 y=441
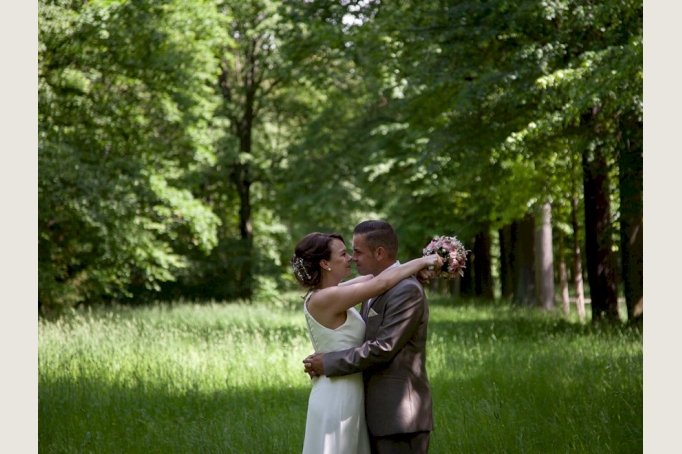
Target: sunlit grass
x=524 y=381
x=228 y=379
x=213 y=378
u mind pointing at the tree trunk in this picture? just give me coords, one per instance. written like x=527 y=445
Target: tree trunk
x=544 y=257
x=434 y=285
x=243 y=181
x=577 y=260
x=513 y=262
x=506 y=258
x=563 y=277
x=631 y=186
x=483 y=282
x=455 y=286
x=243 y=184
x=242 y=128
x=524 y=272
x=601 y=262
x=466 y=287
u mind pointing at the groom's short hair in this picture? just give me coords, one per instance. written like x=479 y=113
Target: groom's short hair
x=378 y=233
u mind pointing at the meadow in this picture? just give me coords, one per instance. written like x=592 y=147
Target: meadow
x=228 y=378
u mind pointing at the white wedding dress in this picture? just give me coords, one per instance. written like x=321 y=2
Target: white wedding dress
x=336 y=408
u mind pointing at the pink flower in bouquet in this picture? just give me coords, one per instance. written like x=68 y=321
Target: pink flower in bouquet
x=453 y=253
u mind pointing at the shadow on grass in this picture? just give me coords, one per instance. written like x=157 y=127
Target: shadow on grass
x=544 y=407
x=91 y=416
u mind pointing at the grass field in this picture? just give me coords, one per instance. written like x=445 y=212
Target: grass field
x=229 y=379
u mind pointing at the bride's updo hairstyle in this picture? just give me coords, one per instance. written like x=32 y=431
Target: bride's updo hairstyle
x=306 y=259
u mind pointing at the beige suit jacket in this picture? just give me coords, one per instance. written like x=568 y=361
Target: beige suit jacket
x=393 y=361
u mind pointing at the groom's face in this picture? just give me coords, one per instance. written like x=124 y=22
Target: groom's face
x=364 y=258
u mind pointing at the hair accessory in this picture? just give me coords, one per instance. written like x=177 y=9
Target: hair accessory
x=298 y=266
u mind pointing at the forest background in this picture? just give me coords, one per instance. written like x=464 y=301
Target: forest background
x=184 y=147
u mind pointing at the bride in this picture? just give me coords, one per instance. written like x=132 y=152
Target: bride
x=335 y=423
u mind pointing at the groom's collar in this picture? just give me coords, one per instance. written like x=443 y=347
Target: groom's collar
x=396 y=264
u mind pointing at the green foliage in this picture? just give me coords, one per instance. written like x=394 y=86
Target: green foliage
x=483 y=102
x=125 y=116
x=217 y=378
x=185 y=147
x=256 y=107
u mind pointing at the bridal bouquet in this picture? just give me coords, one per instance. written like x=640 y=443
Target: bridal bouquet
x=453 y=253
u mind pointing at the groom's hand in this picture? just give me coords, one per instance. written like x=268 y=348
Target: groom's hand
x=313 y=365
x=424 y=276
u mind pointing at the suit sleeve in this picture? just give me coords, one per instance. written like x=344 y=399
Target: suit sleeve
x=402 y=317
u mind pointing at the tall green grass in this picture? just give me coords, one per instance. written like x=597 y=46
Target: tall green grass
x=229 y=379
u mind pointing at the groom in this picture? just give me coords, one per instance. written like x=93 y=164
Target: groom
x=393 y=356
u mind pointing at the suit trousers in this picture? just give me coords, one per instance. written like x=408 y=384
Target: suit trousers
x=410 y=443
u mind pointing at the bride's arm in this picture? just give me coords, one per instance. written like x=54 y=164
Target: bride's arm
x=340 y=298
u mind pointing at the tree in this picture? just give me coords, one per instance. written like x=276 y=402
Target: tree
x=544 y=257
x=601 y=261
x=600 y=82
x=486 y=106
x=524 y=266
x=124 y=117
x=577 y=256
x=542 y=77
x=483 y=281
x=277 y=75
x=563 y=277
x=632 y=216
x=506 y=261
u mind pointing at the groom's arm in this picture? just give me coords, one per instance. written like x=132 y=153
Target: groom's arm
x=402 y=317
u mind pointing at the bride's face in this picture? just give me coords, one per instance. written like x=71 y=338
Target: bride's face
x=339 y=262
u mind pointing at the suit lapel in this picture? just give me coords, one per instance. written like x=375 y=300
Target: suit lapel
x=373 y=303
x=364 y=310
